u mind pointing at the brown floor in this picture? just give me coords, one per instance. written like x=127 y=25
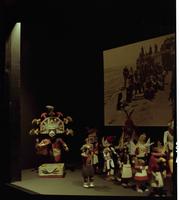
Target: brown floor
x=72 y=184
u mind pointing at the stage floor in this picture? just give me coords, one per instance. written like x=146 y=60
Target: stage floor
x=71 y=184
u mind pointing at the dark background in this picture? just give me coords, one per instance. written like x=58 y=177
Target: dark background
x=62 y=64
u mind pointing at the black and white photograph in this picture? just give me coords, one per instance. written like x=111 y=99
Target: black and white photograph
x=139 y=79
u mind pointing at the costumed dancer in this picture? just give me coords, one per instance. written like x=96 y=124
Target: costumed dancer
x=57 y=146
x=124 y=172
x=141 y=175
x=142 y=148
x=48 y=130
x=43 y=151
x=108 y=155
x=157 y=167
x=168 y=141
x=140 y=153
x=93 y=140
x=87 y=169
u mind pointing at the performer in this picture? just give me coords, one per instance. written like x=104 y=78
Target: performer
x=141 y=175
x=168 y=139
x=168 y=142
x=157 y=166
x=43 y=151
x=48 y=130
x=124 y=171
x=87 y=169
x=108 y=155
x=142 y=148
x=57 y=146
x=93 y=140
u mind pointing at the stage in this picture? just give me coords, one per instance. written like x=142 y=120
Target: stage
x=71 y=185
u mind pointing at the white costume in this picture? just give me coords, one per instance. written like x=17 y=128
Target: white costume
x=168 y=140
x=126 y=169
x=142 y=148
x=158 y=180
x=109 y=163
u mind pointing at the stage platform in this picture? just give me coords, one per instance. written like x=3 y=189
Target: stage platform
x=72 y=184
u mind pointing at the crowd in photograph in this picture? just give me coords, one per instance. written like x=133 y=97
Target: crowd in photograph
x=148 y=76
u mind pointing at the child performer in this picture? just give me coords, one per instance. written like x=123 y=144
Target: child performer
x=87 y=169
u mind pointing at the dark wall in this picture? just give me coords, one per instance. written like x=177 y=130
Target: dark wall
x=60 y=69
x=62 y=56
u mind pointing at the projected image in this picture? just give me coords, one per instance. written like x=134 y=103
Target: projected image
x=139 y=78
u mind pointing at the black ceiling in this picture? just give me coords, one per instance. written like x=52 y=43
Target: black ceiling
x=99 y=19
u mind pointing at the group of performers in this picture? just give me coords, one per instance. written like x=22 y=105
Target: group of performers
x=135 y=162
x=132 y=160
